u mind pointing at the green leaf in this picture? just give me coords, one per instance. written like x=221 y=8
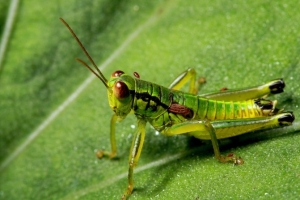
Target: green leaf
x=54 y=113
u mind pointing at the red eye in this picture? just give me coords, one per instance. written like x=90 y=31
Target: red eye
x=117 y=73
x=136 y=74
x=121 y=90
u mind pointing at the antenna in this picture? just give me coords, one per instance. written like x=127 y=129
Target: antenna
x=99 y=74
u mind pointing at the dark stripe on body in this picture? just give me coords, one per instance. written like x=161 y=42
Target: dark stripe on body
x=146 y=97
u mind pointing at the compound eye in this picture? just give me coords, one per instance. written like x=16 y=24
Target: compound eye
x=117 y=73
x=136 y=75
x=121 y=90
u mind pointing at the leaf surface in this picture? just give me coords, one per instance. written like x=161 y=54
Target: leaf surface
x=55 y=115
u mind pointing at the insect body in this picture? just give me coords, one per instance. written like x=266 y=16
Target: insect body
x=173 y=112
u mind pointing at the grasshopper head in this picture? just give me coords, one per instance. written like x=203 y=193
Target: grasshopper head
x=120 y=93
x=120 y=87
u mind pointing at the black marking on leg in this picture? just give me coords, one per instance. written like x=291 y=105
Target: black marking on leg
x=277 y=87
x=286 y=119
x=264 y=104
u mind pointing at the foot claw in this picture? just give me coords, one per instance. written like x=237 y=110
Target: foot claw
x=100 y=154
x=235 y=159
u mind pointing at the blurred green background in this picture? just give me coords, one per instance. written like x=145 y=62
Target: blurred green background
x=55 y=119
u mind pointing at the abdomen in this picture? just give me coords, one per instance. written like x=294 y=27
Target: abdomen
x=221 y=110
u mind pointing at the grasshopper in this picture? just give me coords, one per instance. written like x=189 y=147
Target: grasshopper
x=172 y=112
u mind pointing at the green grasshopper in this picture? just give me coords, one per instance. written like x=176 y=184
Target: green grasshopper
x=172 y=112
